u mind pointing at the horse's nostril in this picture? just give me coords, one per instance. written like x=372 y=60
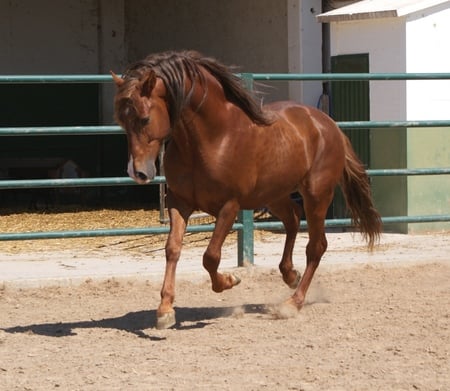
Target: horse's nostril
x=140 y=175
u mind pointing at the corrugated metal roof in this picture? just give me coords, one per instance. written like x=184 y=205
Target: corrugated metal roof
x=370 y=9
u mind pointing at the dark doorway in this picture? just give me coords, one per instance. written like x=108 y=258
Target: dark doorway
x=350 y=102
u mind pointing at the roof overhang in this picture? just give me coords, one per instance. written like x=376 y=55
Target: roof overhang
x=372 y=9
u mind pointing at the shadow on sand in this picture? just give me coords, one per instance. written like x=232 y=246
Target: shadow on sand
x=137 y=322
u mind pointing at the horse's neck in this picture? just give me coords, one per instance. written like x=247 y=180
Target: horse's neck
x=202 y=118
x=208 y=118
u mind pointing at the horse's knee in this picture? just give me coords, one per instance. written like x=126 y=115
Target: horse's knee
x=173 y=252
x=211 y=260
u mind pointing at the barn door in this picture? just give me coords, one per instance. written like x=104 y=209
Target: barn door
x=350 y=102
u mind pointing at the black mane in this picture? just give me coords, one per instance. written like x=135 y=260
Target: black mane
x=174 y=67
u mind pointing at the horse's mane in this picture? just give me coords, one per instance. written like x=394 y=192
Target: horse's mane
x=175 y=67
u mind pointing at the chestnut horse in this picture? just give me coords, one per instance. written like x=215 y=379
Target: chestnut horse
x=226 y=153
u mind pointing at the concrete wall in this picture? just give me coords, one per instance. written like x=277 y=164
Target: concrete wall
x=428 y=147
x=47 y=36
x=250 y=34
x=263 y=36
x=63 y=37
x=304 y=49
x=95 y=36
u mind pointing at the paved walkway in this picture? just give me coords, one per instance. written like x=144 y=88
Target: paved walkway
x=41 y=268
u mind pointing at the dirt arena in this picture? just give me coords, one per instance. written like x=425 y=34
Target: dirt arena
x=381 y=325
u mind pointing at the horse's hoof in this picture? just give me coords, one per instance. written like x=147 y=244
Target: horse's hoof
x=293 y=285
x=285 y=310
x=235 y=280
x=227 y=281
x=165 y=321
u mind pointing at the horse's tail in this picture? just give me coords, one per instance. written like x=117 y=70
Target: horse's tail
x=356 y=188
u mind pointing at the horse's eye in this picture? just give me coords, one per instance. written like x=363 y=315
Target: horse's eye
x=144 y=121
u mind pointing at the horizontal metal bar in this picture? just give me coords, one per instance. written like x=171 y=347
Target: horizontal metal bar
x=114 y=129
x=83 y=233
x=347 y=76
x=270 y=225
x=105 y=232
x=126 y=181
x=415 y=219
x=408 y=171
x=392 y=124
x=73 y=182
x=37 y=79
x=277 y=225
x=61 y=130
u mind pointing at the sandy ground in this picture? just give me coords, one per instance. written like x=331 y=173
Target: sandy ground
x=372 y=322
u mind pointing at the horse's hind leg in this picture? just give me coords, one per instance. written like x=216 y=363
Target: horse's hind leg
x=315 y=210
x=212 y=255
x=179 y=215
x=315 y=206
x=289 y=212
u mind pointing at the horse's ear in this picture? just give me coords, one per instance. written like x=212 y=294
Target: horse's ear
x=118 y=80
x=148 y=83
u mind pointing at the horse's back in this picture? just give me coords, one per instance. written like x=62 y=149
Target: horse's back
x=300 y=116
x=312 y=124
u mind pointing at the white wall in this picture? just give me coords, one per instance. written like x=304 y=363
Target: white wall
x=428 y=50
x=384 y=40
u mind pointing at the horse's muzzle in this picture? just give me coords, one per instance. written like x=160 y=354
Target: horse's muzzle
x=141 y=173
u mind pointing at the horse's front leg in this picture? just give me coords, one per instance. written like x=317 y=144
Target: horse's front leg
x=212 y=255
x=178 y=214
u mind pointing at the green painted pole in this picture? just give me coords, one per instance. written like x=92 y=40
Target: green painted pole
x=61 y=130
x=350 y=76
x=246 y=244
x=47 y=79
x=245 y=238
x=93 y=233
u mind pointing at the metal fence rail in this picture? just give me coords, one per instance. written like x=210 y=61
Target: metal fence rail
x=112 y=129
x=246 y=224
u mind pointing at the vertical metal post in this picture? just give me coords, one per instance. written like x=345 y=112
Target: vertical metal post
x=245 y=235
x=245 y=238
x=162 y=187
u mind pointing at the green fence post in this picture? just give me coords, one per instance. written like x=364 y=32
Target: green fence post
x=245 y=238
x=246 y=234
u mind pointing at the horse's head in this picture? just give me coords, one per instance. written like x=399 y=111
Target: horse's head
x=140 y=108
